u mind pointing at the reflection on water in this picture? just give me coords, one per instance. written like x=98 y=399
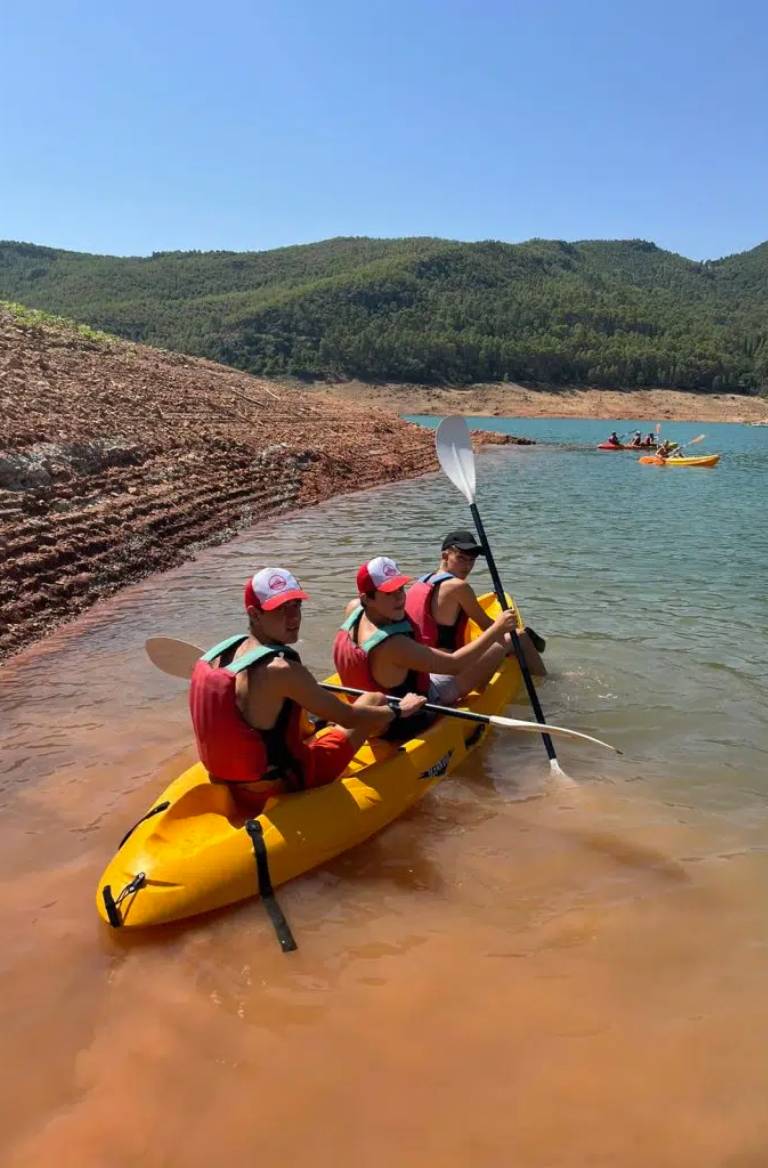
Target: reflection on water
x=508 y=974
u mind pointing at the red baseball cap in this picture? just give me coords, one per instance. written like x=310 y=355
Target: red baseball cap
x=272 y=587
x=381 y=573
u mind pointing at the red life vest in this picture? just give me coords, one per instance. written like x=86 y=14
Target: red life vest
x=230 y=749
x=419 y=605
x=353 y=663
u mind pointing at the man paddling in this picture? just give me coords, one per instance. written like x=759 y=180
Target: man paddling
x=441 y=603
x=248 y=698
x=379 y=648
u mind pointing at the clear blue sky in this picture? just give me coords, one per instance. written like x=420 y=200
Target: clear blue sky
x=151 y=126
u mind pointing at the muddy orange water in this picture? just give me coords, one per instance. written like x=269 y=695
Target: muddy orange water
x=510 y=975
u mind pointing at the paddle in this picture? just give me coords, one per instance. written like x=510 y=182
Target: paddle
x=178 y=658
x=456 y=457
x=692 y=442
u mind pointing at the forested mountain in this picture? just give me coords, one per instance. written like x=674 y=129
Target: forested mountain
x=604 y=313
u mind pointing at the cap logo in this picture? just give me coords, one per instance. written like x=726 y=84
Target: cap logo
x=276 y=583
x=390 y=569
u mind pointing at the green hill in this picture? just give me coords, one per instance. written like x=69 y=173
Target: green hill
x=605 y=313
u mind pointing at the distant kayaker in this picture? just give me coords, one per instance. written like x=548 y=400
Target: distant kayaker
x=613 y=439
x=650 y=439
x=248 y=696
x=665 y=449
x=637 y=439
x=441 y=603
x=379 y=648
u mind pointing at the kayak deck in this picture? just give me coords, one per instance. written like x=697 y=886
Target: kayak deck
x=195 y=854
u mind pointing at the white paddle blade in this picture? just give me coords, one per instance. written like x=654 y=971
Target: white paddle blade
x=177 y=658
x=455 y=455
x=540 y=728
x=558 y=774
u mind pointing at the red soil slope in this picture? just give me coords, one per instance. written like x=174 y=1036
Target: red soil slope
x=117 y=460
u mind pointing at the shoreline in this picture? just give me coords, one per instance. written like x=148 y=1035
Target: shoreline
x=120 y=461
x=317 y=476
x=518 y=401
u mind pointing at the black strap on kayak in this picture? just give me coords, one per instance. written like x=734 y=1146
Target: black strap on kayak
x=112 y=905
x=266 y=891
x=154 y=811
x=538 y=641
x=475 y=736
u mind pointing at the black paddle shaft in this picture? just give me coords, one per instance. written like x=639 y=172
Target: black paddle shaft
x=501 y=596
x=430 y=707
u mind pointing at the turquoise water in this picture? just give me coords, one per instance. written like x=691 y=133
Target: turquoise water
x=650 y=583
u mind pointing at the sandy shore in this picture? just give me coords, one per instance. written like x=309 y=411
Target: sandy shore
x=650 y=405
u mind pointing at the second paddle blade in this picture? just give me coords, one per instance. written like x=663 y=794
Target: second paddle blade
x=537 y=728
x=455 y=455
x=177 y=658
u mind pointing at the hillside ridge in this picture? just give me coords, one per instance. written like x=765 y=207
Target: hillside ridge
x=603 y=313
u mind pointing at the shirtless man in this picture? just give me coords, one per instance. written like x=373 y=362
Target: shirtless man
x=441 y=603
x=248 y=698
x=379 y=649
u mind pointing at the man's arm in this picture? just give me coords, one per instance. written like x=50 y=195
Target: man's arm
x=293 y=680
x=409 y=654
x=469 y=604
x=472 y=607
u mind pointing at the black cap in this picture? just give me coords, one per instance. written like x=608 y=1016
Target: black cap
x=464 y=540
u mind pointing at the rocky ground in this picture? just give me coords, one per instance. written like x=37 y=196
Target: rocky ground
x=517 y=401
x=117 y=460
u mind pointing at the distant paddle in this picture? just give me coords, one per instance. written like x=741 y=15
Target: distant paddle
x=692 y=442
x=178 y=658
x=456 y=457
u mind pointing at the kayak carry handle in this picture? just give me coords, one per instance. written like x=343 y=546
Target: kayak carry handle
x=112 y=906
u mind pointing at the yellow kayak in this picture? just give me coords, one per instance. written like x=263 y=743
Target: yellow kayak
x=191 y=852
x=692 y=460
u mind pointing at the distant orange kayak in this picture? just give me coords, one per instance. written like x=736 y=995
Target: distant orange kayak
x=694 y=460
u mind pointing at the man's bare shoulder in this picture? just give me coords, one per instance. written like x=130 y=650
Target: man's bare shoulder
x=280 y=665
x=281 y=672
x=397 y=649
x=350 y=607
x=457 y=587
